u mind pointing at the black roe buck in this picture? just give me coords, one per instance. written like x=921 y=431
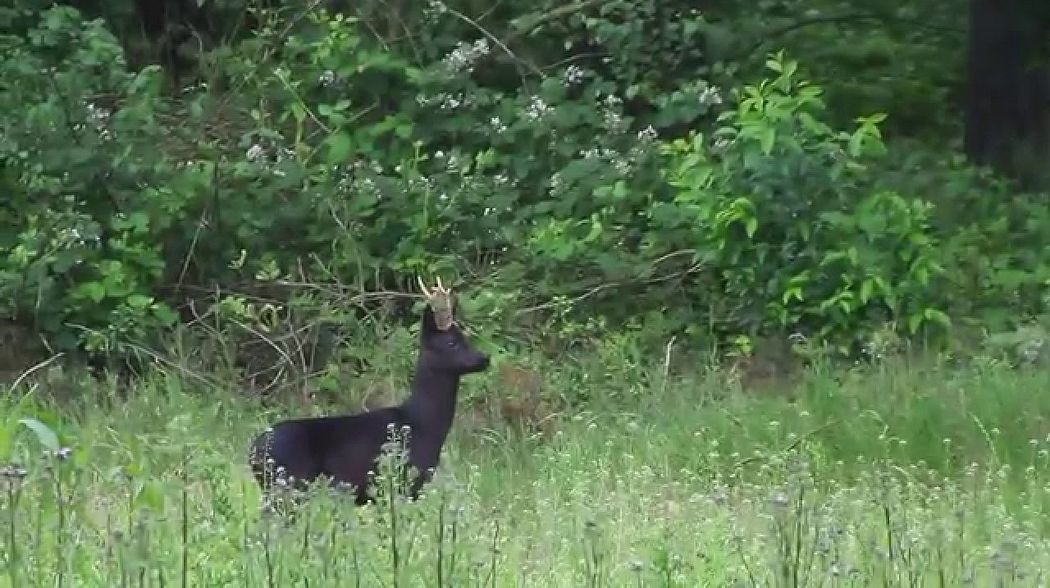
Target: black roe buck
x=346 y=449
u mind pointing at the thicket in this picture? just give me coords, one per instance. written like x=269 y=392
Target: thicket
x=641 y=167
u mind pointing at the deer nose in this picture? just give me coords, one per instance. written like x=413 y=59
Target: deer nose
x=484 y=363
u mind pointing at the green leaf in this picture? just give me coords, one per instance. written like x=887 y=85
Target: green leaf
x=914 y=322
x=65 y=260
x=767 y=140
x=151 y=495
x=937 y=316
x=855 y=148
x=298 y=112
x=94 y=291
x=751 y=226
x=164 y=314
x=139 y=301
x=793 y=292
x=43 y=433
x=838 y=219
x=812 y=125
x=873 y=119
x=866 y=289
x=138 y=222
x=596 y=229
x=339 y=146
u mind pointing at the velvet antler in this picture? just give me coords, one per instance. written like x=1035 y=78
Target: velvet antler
x=440 y=300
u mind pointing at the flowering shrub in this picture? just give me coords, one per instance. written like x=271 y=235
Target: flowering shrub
x=785 y=212
x=317 y=150
x=84 y=204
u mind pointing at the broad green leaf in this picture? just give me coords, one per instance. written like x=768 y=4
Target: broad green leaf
x=768 y=139
x=151 y=495
x=339 y=146
x=751 y=226
x=937 y=316
x=914 y=322
x=43 y=433
x=139 y=301
x=94 y=291
x=866 y=288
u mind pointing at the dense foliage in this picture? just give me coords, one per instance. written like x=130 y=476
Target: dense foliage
x=647 y=206
x=618 y=165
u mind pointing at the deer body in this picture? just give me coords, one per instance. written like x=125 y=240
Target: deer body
x=346 y=449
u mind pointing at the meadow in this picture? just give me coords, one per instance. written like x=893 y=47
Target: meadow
x=246 y=192
x=897 y=474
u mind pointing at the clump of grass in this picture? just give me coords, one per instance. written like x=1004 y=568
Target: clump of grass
x=915 y=476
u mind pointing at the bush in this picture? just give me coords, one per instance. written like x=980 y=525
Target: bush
x=784 y=212
x=313 y=160
x=82 y=254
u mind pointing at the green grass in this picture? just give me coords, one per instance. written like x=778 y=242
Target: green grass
x=891 y=476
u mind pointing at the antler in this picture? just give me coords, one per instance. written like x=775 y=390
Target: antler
x=440 y=300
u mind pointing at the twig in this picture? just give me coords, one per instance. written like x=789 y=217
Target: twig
x=608 y=285
x=530 y=25
x=287 y=358
x=667 y=363
x=265 y=55
x=535 y=70
x=577 y=57
x=835 y=19
x=791 y=445
x=602 y=287
x=185 y=370
x=28 y=372
x=189 y=252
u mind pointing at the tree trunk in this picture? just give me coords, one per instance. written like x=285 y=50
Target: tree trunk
x=1008 y=99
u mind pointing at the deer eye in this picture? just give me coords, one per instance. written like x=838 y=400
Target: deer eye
x=452 y=343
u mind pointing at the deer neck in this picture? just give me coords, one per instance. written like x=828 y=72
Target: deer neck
x=432 y=405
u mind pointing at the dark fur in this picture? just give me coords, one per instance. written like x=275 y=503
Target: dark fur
x=346 y=448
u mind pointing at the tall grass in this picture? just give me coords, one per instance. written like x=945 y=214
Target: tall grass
x=898 y=475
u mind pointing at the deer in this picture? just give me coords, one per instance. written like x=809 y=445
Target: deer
x=346 y=449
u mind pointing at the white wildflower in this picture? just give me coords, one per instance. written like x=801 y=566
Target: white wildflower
x=465 y=56
x=574 y=74
x=537 y=109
